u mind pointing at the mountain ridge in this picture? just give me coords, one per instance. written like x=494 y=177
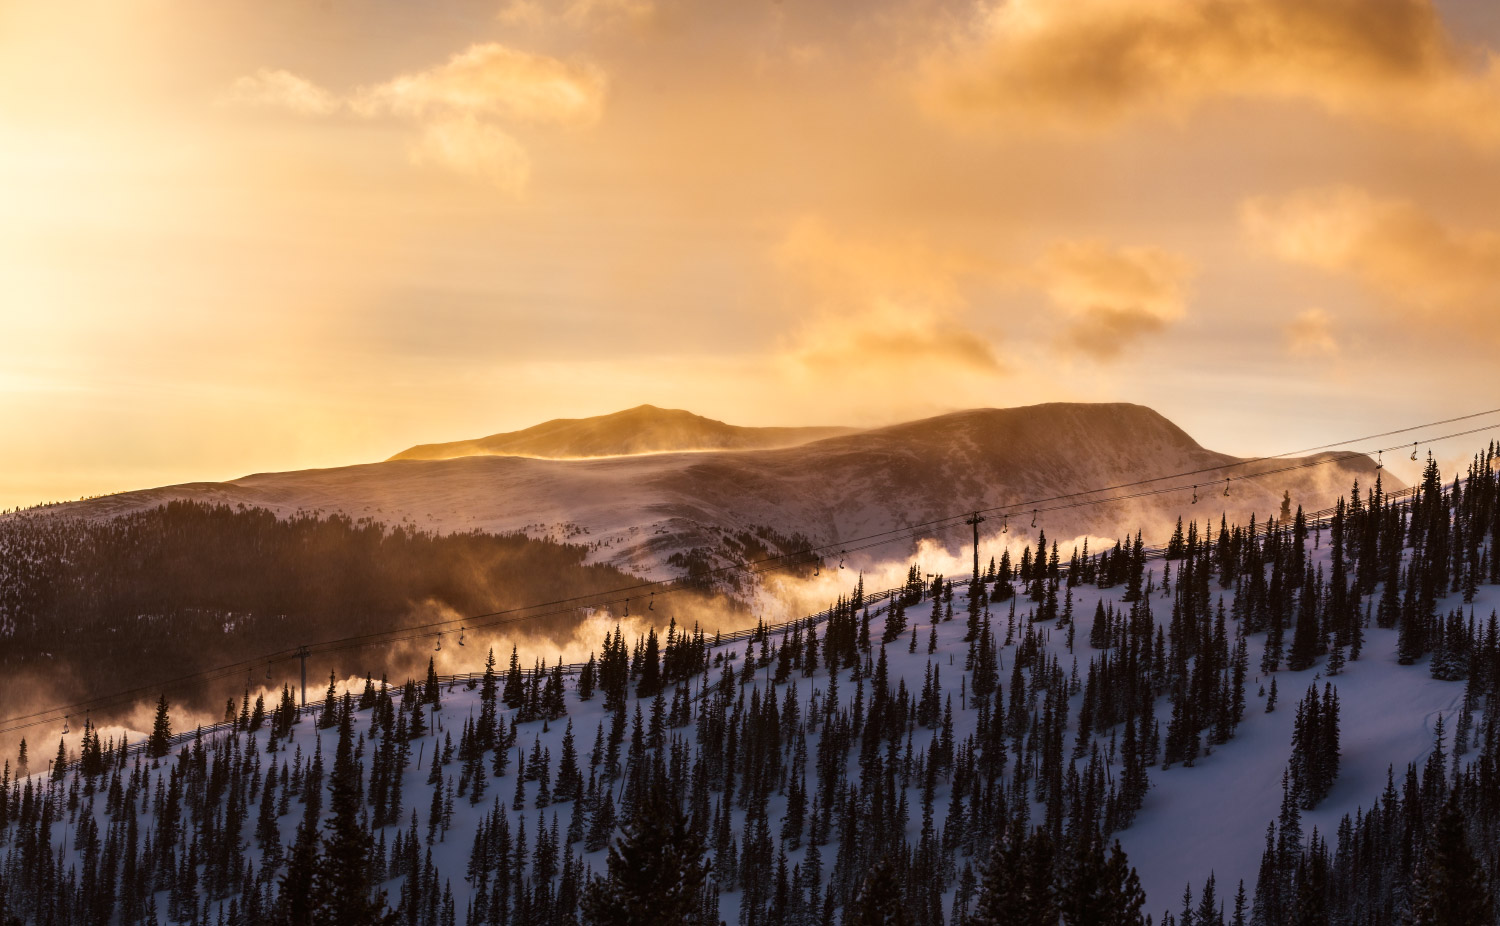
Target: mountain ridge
x=663 y=514
x=638 y=430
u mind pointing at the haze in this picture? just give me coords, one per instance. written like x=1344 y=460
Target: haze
x=263 y=236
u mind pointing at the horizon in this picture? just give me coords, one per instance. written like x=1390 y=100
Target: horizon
x=1454 y=456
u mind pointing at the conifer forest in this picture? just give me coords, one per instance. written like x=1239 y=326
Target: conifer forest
x=971 y=749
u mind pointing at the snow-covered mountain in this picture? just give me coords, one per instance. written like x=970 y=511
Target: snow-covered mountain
x=643 y=429
x=638 y=511
x=810 y=757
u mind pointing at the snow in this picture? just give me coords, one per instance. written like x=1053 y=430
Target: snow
x=1207 y=818
x=638 y=510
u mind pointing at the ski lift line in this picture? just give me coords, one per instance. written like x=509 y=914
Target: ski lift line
x=1277 y=456
x=767 y=564
x=875 y=599
x=875 y=541
x=669 y=586
x=784 y=559
x=811 y=554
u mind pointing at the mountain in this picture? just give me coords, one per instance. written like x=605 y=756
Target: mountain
x=855 y=752
x=662 y=513
x=643 y=429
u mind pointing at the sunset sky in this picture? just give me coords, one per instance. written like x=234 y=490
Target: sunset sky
x=254 y=235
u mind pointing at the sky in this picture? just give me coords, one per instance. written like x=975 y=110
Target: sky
x=260 y=235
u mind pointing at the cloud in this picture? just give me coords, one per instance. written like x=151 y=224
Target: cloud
x=578 y=13
x=479 y=149
x=1114 y=296
x=1082 y=63
x=1310 y=334
x=284 y=90
x=494 y=81
x=1391 y=246
x=457 y=106
x=882 y=304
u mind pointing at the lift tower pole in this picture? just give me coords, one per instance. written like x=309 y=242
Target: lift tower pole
x=975 y=521
x=302 y=654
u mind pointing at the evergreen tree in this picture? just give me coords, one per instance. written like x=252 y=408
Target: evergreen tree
x=343 y=888
x=1100 y=890
x=656 y=870
x=1451 y=888
x=161 y=731
x=878 y=902
x=1017 y=889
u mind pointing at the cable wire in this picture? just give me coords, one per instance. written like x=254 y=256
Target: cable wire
x=806 y=556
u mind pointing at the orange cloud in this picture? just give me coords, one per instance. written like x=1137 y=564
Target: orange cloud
x=1310 y=334
x=883 y=304
x=492 y=80
x=479 y=149
x=283 y=90
x=1389 y=245
x=1082 y=62
x=455 y=105
x=1114 y=295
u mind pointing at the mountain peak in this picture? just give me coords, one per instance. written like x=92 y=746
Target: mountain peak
x=639 y=430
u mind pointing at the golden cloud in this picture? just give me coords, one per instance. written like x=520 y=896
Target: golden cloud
x=1391 y=246
x=479 y=149
x=283 y=90
x=1114 y=295
x=455 y=105
x=496 y=81
x=882 y=303
x=1310 y=334
x=1080 y=63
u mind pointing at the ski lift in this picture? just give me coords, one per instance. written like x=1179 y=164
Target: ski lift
x=1414 y=450
x=1005 y=524
x=818 y=568
x=461 y=636
x=268 y=671
x=66 y=729
x=1226 y=487
x=842 y=554
x=651 y=606
x=1033 y=517
x=1195 y=495
x=1379 y=461
x=627 y=607
x=436 y=647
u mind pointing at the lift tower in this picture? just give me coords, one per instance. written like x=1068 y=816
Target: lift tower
x=975 y=520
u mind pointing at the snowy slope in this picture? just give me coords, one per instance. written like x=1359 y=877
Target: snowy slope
x=1210 y=817
x=636 y=511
